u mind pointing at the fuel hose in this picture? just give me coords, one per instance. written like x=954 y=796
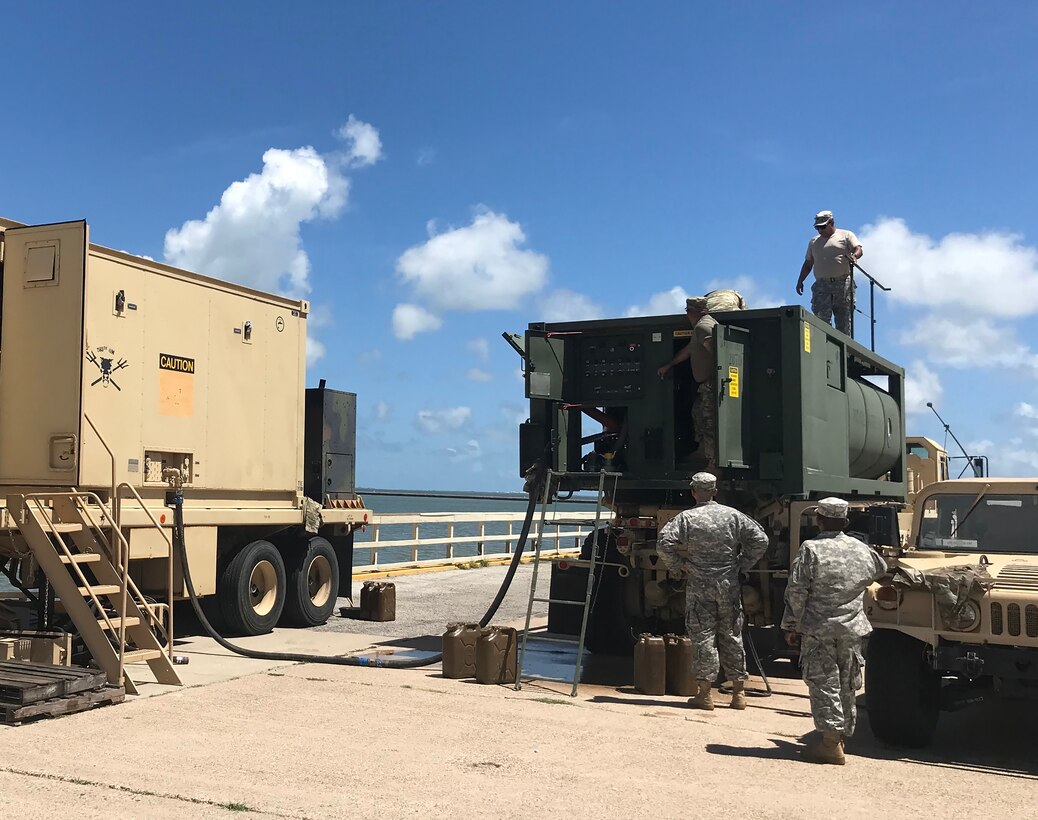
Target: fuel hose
x=175 y=499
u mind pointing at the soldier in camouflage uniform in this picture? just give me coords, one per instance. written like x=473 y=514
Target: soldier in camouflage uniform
x=710 y=545
x=824 y=608
x=831 y=255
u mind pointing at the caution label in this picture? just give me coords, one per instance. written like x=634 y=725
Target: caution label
x=807 y=337
x=733 y=382
x=682 y=334
x=178 y=364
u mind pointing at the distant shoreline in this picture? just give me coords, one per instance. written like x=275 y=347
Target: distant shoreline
x=449 y=494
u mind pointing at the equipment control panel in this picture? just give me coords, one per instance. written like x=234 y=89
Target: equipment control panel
x=613 y=368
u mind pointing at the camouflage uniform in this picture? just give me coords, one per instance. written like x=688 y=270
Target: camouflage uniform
x=823 y=604
x=704 y=420
x=829 y=296
x=713 y=543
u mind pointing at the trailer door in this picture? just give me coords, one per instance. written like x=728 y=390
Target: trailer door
x=732 y=343
x=41 y=354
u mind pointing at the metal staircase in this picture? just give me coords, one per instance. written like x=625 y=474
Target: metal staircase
x=603 y=513
x=78 y=544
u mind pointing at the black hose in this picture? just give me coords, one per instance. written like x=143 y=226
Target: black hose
x=337 y=660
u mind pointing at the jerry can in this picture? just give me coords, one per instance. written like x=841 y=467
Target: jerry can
x=679 y=665
x=650 y=665
x=459 y=650
x=496 y=655
x=379 y=604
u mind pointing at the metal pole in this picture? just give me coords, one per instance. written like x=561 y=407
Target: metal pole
x=873 y=284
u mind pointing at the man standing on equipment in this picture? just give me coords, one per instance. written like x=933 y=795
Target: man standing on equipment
x=710 y=545
x=832 y=255
x=701 y=352
x=823 y=607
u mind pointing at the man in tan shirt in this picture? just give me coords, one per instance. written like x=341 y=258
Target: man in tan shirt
x=700 y=350
x=832 y=255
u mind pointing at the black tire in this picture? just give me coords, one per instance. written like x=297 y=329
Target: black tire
x=902 y=692
x=313 y=585
x=251 y=589
x=610 y=630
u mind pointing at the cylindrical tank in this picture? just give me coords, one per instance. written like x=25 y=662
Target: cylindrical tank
x=679 y=665
x=874 y=430
x=459 y=650
x=496 y=654
x=650 y=665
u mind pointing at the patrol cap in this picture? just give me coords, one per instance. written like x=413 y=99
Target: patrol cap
x=696 y=303
x=823 y=218
x=832 y=508
x=704 y=481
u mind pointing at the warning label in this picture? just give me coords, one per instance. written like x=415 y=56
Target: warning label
x=178 y=364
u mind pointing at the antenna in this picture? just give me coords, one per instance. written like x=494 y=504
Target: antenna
x=978 y=463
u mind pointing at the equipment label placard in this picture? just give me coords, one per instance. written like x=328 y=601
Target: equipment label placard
x=681 y=334
x=176 y=386
x=733 y=382
x=807 y=337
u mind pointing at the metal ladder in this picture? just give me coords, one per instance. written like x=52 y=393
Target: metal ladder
x=89 y=572
x=602 y=515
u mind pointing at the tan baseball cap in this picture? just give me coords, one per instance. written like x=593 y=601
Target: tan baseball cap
x=823 y=218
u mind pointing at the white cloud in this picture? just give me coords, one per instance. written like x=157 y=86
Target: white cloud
x=969 y=343
x=991 y=273
x=314 y=350
x=410 y=320
x=921 y=385
x=482 y=266
x=567 y=306
x=750 y=290
x=469 y=453
x=438 y=421
x=663 y=303
x=382 y=411
x=480 y=347
x=252 y=236
x=477 y=375
x=363 y=144
x=1025 y=411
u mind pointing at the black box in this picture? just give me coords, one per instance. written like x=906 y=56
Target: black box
x=329 y=444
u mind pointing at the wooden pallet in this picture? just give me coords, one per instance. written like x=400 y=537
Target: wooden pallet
x=30 y=690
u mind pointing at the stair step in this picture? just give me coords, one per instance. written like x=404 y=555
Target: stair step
x=99 y=589
x=142 y=655
x=81 y=558
x=117 y=622
x=60 y=526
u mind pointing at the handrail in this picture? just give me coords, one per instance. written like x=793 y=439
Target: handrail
x=115 y=510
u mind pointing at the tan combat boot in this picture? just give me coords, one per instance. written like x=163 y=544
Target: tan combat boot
x=704 y=698
x=738 y=695
x=826 y=749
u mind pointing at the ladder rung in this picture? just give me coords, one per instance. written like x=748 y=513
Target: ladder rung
x=570 y=641
x=559 y=601
x=117 y=622
x=142 y=655
x=58 y=526
x=99 y=589
x=80 y=558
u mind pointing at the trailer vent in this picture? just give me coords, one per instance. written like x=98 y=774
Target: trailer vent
x=1031 y=620
x=996 y=619
x=1013 y=616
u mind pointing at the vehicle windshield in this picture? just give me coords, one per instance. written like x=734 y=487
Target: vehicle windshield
x=998 y=523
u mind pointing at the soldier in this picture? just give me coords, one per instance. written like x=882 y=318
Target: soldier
x=832 y=255
x=823 y=607
x=710 y=545
x=700 y=350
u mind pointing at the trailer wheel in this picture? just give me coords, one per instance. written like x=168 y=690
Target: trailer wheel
x=313 y=585
x=902 y=692
x=252 y=589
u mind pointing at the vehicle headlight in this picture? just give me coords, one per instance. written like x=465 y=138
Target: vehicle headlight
x=968 y=618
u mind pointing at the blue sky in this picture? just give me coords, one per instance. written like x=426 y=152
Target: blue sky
x=431 y=174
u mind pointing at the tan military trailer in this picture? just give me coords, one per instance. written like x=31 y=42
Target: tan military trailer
x=957 y=620
x=116 y=370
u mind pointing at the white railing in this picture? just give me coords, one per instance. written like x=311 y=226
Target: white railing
x=460 y=538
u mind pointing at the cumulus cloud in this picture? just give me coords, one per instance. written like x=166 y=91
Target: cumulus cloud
x=969 y=343
x=469 y=453
x=410 y=320
x=752 y=292
x=921 y=385
x=314 y=350
x=482 y=266
x=992 y=272
x=663 y=303
x=252 y=236
x=481 y=347
x=1025 y=411
x=477 y=375
x=363 y=144
x=567 y=306
x=668 y=302
x=438 y=421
